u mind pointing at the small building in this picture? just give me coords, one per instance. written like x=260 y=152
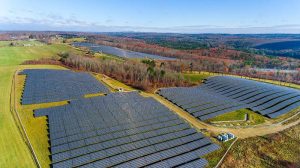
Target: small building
x=225 y=137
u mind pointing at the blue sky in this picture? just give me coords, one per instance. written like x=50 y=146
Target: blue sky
x=184 y=16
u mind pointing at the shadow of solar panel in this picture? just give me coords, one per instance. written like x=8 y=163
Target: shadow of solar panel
x=144 y=132
x=223 y=94
x=46 y=85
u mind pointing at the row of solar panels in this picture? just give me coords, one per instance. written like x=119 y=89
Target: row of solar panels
x=222 y=94
x=120 y=52
x=122 y=130
x=47 y=85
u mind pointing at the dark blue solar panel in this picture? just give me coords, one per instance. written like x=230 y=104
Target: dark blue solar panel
x=223 y=94
x=143 y=133
x=46 y=85
x=120 y=52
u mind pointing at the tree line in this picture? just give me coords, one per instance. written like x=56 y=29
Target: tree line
x=144 y=75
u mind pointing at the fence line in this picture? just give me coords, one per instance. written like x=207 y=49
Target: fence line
x=226 y=153
x=22 y=130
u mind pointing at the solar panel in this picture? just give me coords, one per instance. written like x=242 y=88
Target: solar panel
x=119 y=52
x=47 y=85
x=145 y=132
x=223 y=94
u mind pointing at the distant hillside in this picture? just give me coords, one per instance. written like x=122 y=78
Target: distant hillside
x=286 y=45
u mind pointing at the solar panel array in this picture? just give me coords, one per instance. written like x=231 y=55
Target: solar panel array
x=47 y=85
x=222 y=94
x=122 y=130
x=120 y=52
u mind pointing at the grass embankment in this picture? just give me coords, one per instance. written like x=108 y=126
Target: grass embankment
x=238 y=118
x=13 y=150
x=274 y=150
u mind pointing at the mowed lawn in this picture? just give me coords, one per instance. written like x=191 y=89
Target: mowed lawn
x=13 y=151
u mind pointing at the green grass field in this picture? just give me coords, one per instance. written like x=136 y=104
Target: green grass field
x=196 y=77
x=14 y=152
x=253 y=117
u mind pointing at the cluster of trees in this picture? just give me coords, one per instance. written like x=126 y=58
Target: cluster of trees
x=290 y=77
x=179 y=44
x=42 y=61
x=5 y=37
x=145 y=75
x=224 y=68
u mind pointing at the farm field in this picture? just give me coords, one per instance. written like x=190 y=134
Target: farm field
x=12 y=147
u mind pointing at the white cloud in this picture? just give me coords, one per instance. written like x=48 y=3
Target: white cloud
x=50 y=21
